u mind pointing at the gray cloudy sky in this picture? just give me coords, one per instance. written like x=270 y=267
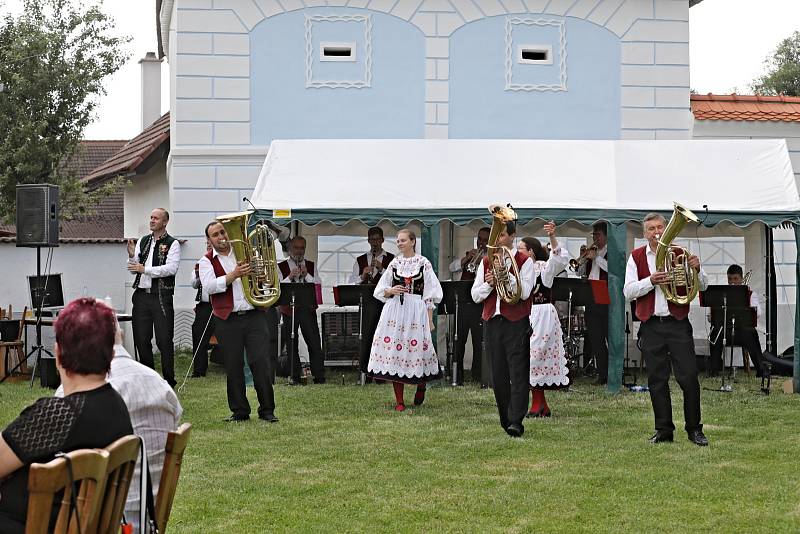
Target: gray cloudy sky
x=729 y=41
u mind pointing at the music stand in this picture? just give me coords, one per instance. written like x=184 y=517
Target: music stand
x=734 y=303
x=455 y=293
x=355 y=295
x=45 y=291
x=293 y=295
x=577 y=292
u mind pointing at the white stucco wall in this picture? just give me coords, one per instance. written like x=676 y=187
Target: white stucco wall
x=142 y=194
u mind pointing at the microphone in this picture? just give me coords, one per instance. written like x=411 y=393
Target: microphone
x=245 y=199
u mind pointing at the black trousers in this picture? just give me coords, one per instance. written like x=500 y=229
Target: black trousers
x=469 y=323
x=202 y=330
x=597 y=331
x=669 y=344
x=305 y=321
x=509 y=343
x=371 y=314
x=240 y=336
x=747 y=338
x=147 y=316
x=272 y=341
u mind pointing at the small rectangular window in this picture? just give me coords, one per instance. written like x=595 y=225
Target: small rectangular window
x=535 y=54
x=337 y=51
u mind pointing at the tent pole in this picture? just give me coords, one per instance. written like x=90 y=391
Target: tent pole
x=617 y=258
x=796 y=374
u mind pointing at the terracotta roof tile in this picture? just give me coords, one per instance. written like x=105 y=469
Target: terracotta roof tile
x=131 y=155
x=746 y=108
x=91 y=154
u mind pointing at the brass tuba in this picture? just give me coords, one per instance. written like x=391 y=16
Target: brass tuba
x=676 y=264
x=262 y=286
x=497 y=256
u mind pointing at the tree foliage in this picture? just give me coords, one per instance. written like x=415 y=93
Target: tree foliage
x=783 y=70
x=53 y=59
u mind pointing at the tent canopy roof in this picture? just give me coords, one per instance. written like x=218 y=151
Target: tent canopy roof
x=402 y=179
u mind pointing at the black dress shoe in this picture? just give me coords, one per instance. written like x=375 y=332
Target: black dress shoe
x=236 y=418
x=269 y=418
x=514 y=430
x=661 y=436
x=698 y=438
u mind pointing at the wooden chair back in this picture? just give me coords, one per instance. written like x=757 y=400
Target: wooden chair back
x=45 y=480
x=17 y=346
x=173 y=457
x=123 y=454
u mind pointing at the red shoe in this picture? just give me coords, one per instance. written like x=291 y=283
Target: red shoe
x=419 y=396
x=400 y=407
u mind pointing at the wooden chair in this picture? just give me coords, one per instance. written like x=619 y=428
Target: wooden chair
x=17 y=346
x=176 y=444
x=45 y=480
x=123 y=454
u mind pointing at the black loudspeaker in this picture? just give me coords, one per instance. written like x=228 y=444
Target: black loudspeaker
x=37 y=215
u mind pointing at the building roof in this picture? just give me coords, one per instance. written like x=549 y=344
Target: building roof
x=746 y=108
x=106 y=224
x=137 y=155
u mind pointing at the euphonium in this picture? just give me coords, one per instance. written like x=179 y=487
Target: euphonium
x=676 y=264
x=262 y=286
x=497 y=256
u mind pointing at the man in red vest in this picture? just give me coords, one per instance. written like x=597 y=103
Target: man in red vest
x=296 y=269
x=597 y=314
x=508 y=332
x=665 y=336
x=240 y=328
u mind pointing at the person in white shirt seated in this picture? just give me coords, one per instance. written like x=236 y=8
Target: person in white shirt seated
x=743 y=336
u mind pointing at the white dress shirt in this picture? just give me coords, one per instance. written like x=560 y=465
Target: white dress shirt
x=216 y=284
x=599 y=262
x=169 y=268
x=355 y=276
x=635 y=288
x=481 y=289
x=154 y=409
x=755 y=302
x=308 y=278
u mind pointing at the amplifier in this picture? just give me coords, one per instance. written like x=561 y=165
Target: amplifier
x=340 y=337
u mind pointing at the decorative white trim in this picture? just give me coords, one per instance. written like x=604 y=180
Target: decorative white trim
x=338 y=84
x=516 y=21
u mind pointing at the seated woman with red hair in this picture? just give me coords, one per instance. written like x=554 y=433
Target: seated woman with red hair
x=90 y=415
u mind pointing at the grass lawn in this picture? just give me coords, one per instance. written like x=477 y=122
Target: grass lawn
x=341 y=460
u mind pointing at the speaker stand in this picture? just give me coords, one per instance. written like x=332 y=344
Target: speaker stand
x=38 y=349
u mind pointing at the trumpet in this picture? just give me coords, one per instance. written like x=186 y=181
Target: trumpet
x=476 y=260
x=576 y=263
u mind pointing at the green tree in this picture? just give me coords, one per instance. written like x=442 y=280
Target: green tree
x=53 y=59
x=783 y=70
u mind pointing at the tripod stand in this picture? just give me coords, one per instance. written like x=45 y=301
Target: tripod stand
x=40 y=292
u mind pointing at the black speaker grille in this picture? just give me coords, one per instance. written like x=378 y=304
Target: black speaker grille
x=37 y=215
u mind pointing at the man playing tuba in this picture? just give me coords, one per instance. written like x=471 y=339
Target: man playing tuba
x=240 y=327
x=503 y=284
x=665 y=333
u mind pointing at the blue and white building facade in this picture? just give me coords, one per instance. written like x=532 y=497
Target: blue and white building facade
x=245 y=72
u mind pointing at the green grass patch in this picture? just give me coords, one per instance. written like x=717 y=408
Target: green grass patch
x=341 y=460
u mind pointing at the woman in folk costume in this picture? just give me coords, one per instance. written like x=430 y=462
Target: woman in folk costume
x=548 y=360
x=402 y=349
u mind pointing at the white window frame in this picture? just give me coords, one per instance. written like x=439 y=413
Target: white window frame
x=547 y=49
x=328 y=44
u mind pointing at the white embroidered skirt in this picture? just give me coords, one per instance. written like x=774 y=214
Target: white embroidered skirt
x=548 y=360
x=402 y=350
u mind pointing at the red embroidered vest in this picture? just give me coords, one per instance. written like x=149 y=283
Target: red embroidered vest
x=284 y=268
x=221 y=303
x=645 y=305
x=512 y=312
